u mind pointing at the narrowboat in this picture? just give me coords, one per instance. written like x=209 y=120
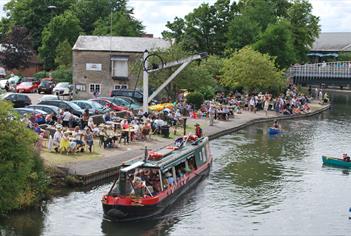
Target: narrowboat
x=273 y=131
x=146 y=187
x=338 y=162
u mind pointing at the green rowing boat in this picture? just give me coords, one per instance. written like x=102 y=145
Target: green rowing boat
x=332 y=161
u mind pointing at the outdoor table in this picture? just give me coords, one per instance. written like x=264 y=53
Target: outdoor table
x=130 y=131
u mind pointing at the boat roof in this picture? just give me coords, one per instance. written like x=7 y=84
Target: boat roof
x=170 y=159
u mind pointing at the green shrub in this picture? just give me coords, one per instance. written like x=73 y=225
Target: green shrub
x=41 y=74
x=22 y=178
x=208 y=92
x=195 y=99
x=62 y=74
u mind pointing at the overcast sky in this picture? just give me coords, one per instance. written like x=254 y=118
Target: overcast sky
x=335 y=15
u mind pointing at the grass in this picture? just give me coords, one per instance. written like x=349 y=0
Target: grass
x=52 y=158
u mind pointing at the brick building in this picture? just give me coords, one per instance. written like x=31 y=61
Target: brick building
x=102 y=63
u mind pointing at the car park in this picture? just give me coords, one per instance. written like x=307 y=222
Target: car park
x=63 y=88
x=18 y=99
x=70 y=106
x=47 y=108
x=106 y=103
x=46 y=86
x=92 y=106
x=27 y=87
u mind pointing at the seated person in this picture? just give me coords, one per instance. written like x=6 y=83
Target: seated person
x=170 y=178
x=37 y=128
x=105 y=138
x=139 y=187
x=345 y=157
x=64 y=143
x=77 y=137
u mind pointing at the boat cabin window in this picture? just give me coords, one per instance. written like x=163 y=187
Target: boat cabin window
x=138 y=182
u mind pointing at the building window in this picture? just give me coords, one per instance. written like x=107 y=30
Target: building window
x=81 y=87
x=95 y=88
x=119 y=66
x=121 y=86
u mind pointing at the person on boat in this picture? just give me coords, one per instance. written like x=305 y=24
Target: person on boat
x=276 y=125
x=139 y=187
x=170 y=178
x=198 y=130
x=345 y=157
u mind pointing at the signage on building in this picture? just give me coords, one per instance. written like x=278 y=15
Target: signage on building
x=92 y=66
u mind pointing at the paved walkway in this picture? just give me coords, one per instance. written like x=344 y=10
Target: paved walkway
x=115 y=158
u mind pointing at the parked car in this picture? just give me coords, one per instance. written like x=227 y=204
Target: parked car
x=136 y=94
x=106 y=103
x=46 y=86
x=47 y=108
x=93 y=106
x=3 y=83
x=18 y=99
x=63 y=88
x=15 y=80
x=72 y=107
x=25 y=110
x=122 y=102
x=27 y=87
x=2 y=72
x=48 y=97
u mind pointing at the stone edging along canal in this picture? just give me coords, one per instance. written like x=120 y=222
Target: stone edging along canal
x=111 y=171
x=263 y=120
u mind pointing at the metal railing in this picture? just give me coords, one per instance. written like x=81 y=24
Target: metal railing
x=339 y=69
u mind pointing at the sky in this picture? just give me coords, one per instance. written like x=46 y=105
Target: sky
x=335 y=15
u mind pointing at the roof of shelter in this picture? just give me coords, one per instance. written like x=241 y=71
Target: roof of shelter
x=119 y=44
x=333 y=41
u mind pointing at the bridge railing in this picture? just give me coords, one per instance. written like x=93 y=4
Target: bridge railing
x=339 y=69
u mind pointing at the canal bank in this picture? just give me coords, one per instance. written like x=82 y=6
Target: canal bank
x=88 y=172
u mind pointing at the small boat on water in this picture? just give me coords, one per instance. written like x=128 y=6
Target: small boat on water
x=338 y=162
x=273 y=131
x=145 y=188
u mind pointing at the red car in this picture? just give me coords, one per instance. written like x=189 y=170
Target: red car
x=27 y=87
x=106 y=103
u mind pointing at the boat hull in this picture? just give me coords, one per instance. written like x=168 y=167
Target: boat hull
x=332 y=161
x=121 y=213
x=273 y=131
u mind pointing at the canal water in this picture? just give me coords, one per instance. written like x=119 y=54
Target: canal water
x=259 y=185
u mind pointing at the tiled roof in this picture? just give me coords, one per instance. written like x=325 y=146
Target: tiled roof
x=119 y=44
x=337 y=41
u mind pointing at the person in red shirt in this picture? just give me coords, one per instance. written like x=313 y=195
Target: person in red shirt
x=198 y=130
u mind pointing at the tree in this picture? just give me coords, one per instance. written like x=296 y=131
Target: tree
x=64 y=54
x=62 y=74
x=123 y=24
x=17 y=48
x=252 y=71
x=22 y=179
x=195 y=99
x=277 y=41
x=242 y=31
x=305 y=27
x=61 y=28
x=203 y=29
x=91 y=11
x=35 y=15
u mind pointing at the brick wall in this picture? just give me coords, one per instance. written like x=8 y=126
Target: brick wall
x=85 y=77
